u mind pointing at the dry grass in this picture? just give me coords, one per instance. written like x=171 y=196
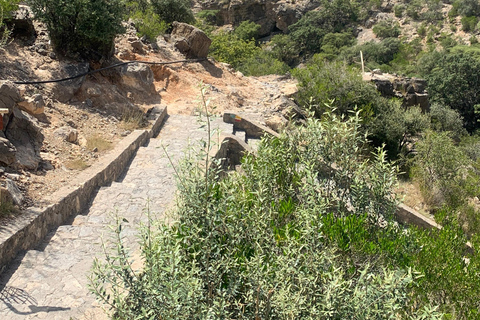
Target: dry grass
x=98 y=142
x=76 y=164
x=132 y=119
x=7 y=209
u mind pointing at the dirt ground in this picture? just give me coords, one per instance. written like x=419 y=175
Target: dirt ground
x=177 y=86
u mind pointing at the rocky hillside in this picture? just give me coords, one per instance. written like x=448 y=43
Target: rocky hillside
x=52 y=130
x=271 y=15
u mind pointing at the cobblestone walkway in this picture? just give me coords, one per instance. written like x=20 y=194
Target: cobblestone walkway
x=50 y=282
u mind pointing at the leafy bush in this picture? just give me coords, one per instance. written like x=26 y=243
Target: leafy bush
x=398 y=10
x=434 y=11
x=441 y=169
x=335 y=16
x=454 y=78
x=413 y=9
x=132 y=6
x=283 y=48
x=148 y=24
x=85 y=27
x=333 y=43
x=446 y=119
x=387 y=29
x=209 y=16
x=374 y=54
x=247 y=30
x=6 y=7
x=469 y=23
x=262 y=63
x=468 y=8
x=323 y=81
x=173 y=10
x=422 y=30
x=251 y=246
x=395 y=126
x=227 y=47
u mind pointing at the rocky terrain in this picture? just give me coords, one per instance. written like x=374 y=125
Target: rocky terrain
x=53 y=130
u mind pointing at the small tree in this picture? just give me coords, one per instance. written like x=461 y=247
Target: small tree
x=387 y=29
x=84 y=27
x=173 y=10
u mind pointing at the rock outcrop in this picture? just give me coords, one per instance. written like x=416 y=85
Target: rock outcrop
x=21 y=24
x=191 y=41
x=23 y=132
x=20 y=138
x=412 y=91
x=33 y=105
x=271 y=15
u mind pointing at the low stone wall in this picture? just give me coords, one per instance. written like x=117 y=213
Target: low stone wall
x=26 y=231
x=407 y=215
x=251 y=128
x=231 y=151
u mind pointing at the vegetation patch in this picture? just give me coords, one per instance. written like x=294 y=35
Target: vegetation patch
x=97 y=142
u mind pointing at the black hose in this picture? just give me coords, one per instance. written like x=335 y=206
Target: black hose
x=109 y=67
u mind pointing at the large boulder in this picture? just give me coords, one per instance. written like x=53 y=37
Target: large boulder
x=24 y=133
x=64 y=91
x=191 y=41
x=138 y=77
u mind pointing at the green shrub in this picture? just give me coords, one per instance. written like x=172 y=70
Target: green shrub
x=323 y=81
x=6 y=7
x=413 y=9
x=374 y=54
x=441 y=169
x=250 y=246
x=422 y=30
x=453 y=79
x=247 y=30
x=85 y=27
x=173 y=10
x=468 y=8
x=335 y=17
x=262 y=63
x=469 y=23
x=434 y=11
x=283 y=48
x=386 y=29
x=132 y=6
x=396 y=127
x=227 y=47
x=148 y=24
x=398 y=10
x=209 y=16
x=446 y=119
x=333 y=43
x=447 y=41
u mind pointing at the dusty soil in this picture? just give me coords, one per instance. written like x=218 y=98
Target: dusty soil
x=177 y=86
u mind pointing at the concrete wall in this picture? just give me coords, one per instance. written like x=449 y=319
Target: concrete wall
x=27 y=230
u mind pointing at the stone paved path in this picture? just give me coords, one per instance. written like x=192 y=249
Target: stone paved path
x=50 y=282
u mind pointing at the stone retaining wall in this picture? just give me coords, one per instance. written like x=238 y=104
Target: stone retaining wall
x=26 y=231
